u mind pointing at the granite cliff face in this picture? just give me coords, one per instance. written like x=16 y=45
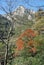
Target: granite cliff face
x=22 y=15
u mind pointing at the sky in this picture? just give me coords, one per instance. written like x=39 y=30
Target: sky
x=24 y=3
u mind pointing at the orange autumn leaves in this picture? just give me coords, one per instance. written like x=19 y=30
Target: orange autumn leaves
x=19 y=44
x=29 y=34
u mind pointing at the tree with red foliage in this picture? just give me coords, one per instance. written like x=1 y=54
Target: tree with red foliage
x=26 y=39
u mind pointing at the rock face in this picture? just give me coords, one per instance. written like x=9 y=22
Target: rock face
x=21 y=12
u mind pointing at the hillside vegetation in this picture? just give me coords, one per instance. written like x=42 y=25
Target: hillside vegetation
x=26 y=40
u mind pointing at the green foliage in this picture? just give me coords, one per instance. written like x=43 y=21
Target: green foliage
x=38 y=59
x=26 y=57
x=28 y=61
x=5 y=34
x=2 y=50
x=39 y=24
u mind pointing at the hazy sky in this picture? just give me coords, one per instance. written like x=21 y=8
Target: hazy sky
x=22 y=2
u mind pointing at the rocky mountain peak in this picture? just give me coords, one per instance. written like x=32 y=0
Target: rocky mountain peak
x=20 y=11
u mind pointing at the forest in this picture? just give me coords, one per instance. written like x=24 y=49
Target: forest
x=21 y=36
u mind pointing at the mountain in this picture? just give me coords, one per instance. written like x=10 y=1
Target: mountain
x=23 y=19
x=21 y=11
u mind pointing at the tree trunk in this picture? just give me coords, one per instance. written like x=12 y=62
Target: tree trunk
x=6 y=55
